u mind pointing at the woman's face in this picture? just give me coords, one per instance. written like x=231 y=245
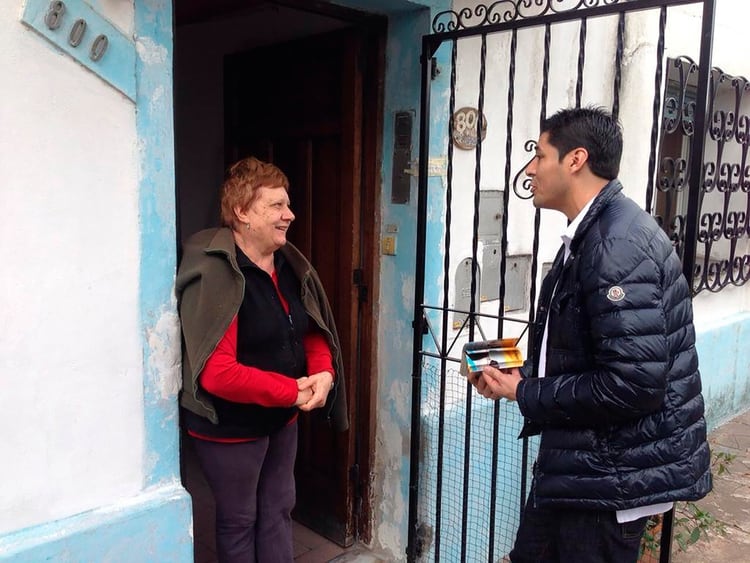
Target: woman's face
x=268 y=217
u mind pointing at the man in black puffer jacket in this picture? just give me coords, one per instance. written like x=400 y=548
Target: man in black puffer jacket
x=612 y=384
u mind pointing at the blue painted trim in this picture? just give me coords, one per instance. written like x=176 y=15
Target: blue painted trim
x=725 y=367
x=158 y=318
x=151 y=527
x=117 y=65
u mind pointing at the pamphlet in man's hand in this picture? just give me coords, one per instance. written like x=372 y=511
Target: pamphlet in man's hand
x=502 y=354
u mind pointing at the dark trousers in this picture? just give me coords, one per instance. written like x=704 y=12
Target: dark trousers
x=575 y=536
x=253 y=485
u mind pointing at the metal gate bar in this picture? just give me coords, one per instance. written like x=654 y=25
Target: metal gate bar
x=656 y=108
x=696 y=155
x=446 y=288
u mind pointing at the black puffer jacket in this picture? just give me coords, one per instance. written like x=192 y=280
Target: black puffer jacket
x=619 y=410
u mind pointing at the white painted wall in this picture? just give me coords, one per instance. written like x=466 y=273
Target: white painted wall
x=71 y=407
x=118 y=12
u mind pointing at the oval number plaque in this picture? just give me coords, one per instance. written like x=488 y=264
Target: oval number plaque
x=464 y=130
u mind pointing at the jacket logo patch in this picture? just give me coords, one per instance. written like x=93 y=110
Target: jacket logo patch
x=615 y=293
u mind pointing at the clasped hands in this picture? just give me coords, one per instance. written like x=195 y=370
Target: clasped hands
x=494 y=383
x=312 y=391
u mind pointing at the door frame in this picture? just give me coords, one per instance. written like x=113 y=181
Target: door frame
x=363 y=395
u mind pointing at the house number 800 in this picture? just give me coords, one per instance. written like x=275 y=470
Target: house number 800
x=53 y=19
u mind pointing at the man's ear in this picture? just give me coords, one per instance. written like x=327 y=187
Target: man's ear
x=578 y=158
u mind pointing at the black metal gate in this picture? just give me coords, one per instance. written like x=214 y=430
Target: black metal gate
x=481 y=247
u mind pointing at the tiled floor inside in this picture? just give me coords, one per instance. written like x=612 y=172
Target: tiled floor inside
x=309 y=547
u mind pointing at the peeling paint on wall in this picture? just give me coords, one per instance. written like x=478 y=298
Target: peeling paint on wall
x=153 y=30
x=164 y=362
x=724 y=367
x=389 y=469
x=400 y=393
x=150 y=52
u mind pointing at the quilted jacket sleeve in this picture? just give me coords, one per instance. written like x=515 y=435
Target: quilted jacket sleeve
x=623 y=297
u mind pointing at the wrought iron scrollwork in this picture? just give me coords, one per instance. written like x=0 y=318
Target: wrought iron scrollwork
x=677 y=232
x=680 y=110
x=724 y=225
x=504 y=11
x=673 y=174
x=524 y=190
x=677 y=121
x=715 y=274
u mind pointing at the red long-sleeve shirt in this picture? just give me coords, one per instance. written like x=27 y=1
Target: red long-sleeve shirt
x=227 y=378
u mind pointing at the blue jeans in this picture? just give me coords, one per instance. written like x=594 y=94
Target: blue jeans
x=253 y=485
x=549 y=535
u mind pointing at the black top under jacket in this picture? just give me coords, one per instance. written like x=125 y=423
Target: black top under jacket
x=268 y=339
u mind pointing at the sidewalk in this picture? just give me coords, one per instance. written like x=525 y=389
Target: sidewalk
x=729 y=501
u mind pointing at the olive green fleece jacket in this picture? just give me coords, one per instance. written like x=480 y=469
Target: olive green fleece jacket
x=210 y=288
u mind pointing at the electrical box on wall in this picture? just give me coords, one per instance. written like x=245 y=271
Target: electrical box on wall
x=487 y=279
x=463 y=291
x=490 y=286
x=517 y=270
x=516 y=278
x=490 y=231
x=490 y=215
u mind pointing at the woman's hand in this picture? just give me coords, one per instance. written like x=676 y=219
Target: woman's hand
x=318 y=385
x=303 y=395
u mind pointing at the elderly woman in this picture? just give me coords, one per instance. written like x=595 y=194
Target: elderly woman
x=259 y=345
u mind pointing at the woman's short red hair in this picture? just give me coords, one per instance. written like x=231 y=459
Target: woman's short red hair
x=239 y=187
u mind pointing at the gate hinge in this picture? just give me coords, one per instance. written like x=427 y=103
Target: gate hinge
x=434 y=68
x=422 y=324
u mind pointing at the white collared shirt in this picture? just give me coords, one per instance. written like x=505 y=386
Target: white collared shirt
x=566 y=237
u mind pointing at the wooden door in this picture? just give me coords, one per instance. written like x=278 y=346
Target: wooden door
x=299 y=105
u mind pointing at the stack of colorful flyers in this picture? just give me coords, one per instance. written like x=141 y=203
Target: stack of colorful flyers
x=502 y=354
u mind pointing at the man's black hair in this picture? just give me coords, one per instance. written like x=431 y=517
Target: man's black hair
x=592 y=128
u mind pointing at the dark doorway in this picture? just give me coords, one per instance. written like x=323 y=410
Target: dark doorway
x=311 y=106
x=299 y=105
